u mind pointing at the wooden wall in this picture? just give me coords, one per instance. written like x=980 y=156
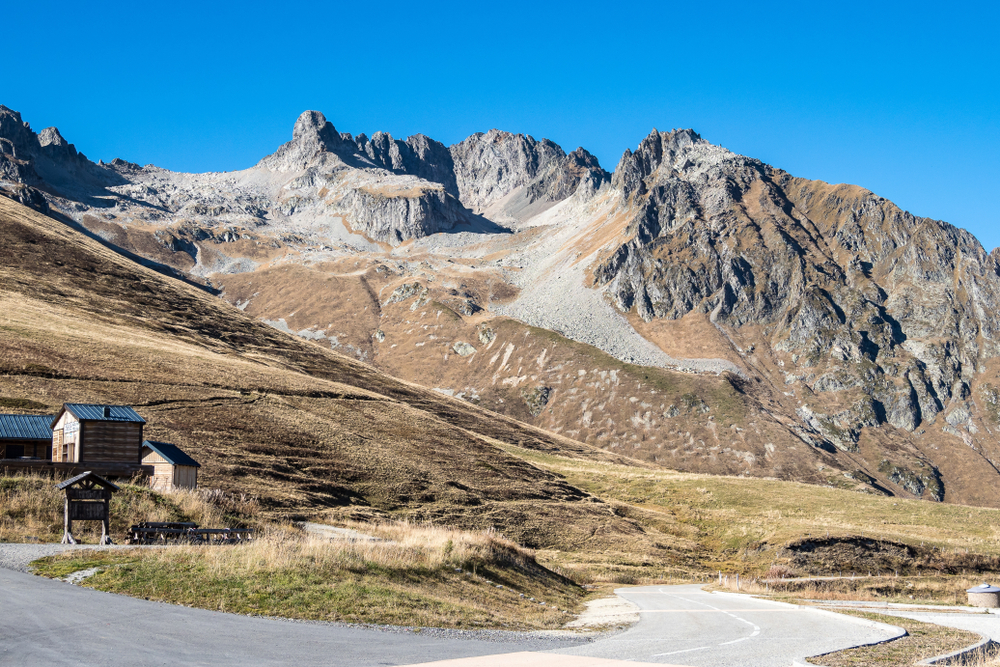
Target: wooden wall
x=57 y=446
x=10 y=449
x=110 y=441
x=162 y=478
x=167 y=476
x=149 y=457
x=185 y=477
x=68 y=430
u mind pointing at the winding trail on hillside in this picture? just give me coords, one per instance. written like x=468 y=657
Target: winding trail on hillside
x=61 y=624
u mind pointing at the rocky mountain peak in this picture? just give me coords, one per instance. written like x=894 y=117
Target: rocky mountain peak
x=657 y=149
x=50 y=137
x=16 y=138
x=312 y=128
x=312 y=135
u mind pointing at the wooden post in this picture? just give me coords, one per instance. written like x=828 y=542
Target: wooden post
x=106 y=524
x=67 y=525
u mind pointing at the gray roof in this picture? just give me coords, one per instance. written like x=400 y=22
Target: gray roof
x=97 y=479
x=983 y=588
x=91 y=412
x=172 y=453
x=25 y=427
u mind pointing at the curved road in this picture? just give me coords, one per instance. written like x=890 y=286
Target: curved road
x=686 y=625
x=48 y=622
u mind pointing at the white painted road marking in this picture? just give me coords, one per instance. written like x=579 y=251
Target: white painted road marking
x=756 y=628
x=533 y=659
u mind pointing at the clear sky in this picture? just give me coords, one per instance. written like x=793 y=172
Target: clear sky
x=901 y=98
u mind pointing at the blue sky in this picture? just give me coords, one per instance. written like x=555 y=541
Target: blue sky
x=901 y=98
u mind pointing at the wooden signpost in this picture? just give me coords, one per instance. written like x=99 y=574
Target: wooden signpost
x=88 y=498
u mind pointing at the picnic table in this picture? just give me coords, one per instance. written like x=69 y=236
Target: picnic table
x=186 y=532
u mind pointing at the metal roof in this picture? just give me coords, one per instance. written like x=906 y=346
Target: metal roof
x=172 y=453
x=983 y=588
x=25 y=427
x=116 y=413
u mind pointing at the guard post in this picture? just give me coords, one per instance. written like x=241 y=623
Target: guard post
x=88 y=498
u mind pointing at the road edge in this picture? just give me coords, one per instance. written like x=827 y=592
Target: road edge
x=896 y=631
x=985 y=643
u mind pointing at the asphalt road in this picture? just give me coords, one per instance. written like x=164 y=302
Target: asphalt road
x=685 y=625
x=45 y=622
x=48 y=622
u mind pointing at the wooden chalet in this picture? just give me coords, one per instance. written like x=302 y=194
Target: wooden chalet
x=172 y=468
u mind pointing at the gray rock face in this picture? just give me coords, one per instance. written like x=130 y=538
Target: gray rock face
x=419 y=156
x=27 y=196
x=490 y=166
x=850 y=287
x=454 y=184
x=47 y=160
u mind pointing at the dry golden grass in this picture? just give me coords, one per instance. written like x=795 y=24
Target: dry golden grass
x=31 y=509
x=936 y=590
x=739 y=525
x=417 y=575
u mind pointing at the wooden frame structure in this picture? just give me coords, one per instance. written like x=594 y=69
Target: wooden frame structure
x=88 y=498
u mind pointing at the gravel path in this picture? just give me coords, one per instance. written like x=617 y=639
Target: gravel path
x=18 y=556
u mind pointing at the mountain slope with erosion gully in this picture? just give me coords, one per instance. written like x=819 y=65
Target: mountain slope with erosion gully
x=695 y=309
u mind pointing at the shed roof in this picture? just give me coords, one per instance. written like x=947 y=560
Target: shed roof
x=172 y=453
x=25 y=427
x=92 y=412
x=88 y=477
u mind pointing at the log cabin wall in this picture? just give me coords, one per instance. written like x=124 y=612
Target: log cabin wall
x=111 y=441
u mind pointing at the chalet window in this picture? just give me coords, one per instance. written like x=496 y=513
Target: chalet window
x=15 y=451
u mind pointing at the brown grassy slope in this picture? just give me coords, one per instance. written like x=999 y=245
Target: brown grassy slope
x=683 y=421
x=264 y=412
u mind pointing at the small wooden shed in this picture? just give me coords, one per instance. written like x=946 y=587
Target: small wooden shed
x=85 y=433
x=172 y=468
